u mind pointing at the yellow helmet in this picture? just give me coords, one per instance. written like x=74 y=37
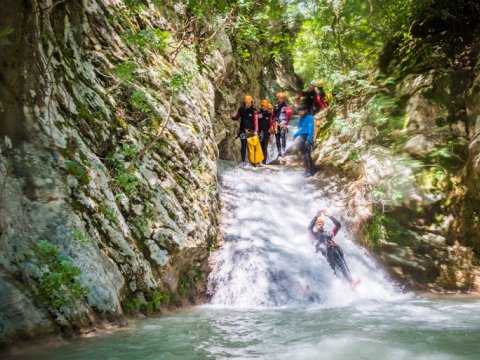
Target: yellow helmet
x=270 y=106
x=248 y=99
x=264 y=102
x=319 y=221
x=281 y=96
x=320 y=85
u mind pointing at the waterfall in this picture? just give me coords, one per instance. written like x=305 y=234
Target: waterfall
x=267 y=259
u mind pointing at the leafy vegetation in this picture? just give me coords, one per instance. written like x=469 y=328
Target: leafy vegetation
x=4 y=35
x=58 y=285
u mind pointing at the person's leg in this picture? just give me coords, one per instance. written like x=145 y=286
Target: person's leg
x=283 y=135
x=243 y=149
x=265 y=147
x=308 y=158
x=278 y=141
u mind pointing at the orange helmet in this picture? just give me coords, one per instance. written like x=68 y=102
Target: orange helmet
x=319 y=221
x=281 y=96
x=264 y=102
x=248 y=99
x=270 y=106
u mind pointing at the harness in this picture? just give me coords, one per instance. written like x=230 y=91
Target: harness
x=280 y=112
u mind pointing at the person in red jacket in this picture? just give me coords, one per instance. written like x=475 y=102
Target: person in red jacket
x=311 y=99
x=281 y=118
x=265 y=127
x=248 y=117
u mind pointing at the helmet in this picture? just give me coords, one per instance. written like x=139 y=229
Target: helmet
x=270 y=106
x=281 y=96
x=319 y=221
x=264 y=102
x=248 y=99
x=313 y=83
x=320 y=85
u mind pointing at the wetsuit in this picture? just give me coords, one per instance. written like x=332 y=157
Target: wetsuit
x=305 y=133
x=248 y=124
x=325 y=244
x=265 y=127
x=281 y=115
x=312 y=100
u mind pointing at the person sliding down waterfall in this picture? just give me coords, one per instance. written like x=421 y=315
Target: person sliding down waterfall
x=248 y=124
x=324 y=243
x=281 y=118
x=305 y=132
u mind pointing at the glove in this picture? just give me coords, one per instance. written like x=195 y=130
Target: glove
x=320 y=213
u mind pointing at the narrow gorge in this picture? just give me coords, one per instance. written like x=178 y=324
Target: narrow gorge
x=122 y=197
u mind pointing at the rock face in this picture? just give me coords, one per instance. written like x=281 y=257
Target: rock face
x=84 y=87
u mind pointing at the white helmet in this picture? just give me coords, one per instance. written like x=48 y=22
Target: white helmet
x=313 y=83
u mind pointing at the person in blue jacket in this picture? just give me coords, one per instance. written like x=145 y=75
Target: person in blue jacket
x=305 y=132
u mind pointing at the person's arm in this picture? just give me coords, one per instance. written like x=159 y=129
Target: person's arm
x=271 y=124
x=311 y=129
x=310 y=229
x=320 y=102
x=255 y=121
x=336 y=225
x=288 y=113
x=236 y=116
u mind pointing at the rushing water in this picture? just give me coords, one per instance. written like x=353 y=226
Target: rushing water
x=272 y=297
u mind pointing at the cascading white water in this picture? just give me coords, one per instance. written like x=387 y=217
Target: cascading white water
x=267 y=259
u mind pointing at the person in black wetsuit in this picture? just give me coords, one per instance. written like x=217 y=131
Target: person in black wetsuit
x=265 y=127
x=248 y=124
x=324 y=243
x=281 y=117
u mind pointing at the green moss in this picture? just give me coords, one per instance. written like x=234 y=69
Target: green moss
x=76 y=169
x=190 y=280
x=154 y=301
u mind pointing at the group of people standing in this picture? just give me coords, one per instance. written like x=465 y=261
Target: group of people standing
x=273 y=121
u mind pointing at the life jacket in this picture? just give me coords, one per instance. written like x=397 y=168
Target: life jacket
x=280 y=113
x=246 y=118
x=255 y=153
x=309 y=98
x=263 y=120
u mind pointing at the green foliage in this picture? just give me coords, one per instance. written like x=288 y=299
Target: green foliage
x=139 y=101
x=154 y=302
x=155 y=39
x=81 y=236
x=353 y=156
x=127 y=182
x=57 y=283
x=4 y=35
x=124 y=179
x=383 y=228
x=129 y=150
x=143 y=221
x=108 y=212
x=125 y=70
x=77 y=170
